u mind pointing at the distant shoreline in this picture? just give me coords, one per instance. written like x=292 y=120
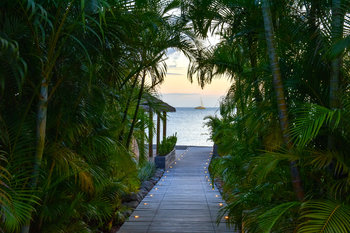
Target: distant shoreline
x=196 y=106
x=182 y=147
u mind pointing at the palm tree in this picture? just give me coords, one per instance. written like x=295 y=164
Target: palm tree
x=171 y=32
x=280 y=99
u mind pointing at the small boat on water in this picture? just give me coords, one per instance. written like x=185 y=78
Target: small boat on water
x=200 y=107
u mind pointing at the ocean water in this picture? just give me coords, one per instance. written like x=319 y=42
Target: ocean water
x=188 y=123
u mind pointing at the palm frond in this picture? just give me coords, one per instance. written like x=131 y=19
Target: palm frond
x=268 y=162
x=309 y=121
x=268 y=220
x=324 y=216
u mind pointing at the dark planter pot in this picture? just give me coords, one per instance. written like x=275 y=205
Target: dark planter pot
x=165 y=161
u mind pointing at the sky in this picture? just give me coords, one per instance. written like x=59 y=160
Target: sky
x=178 y=91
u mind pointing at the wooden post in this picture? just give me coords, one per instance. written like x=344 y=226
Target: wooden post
x=158 y=132
x=164 y=125
x=150 y=135
x=142 y=156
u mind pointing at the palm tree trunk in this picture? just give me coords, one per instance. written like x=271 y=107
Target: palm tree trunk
x=278 y=86
x=336 y=63
x=40 y=139
x=136 y=110
x=337 y=32
x=125 y=114
x=40 y=129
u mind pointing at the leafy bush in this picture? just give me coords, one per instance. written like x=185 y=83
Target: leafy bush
x=146 y=171
x=167 y=145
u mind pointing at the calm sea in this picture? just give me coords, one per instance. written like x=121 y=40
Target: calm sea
x=188 y=123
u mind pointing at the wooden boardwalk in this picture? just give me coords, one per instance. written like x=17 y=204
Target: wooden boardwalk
x=182 y=201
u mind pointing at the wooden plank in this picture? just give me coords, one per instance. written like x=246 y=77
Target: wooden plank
x=183 y=200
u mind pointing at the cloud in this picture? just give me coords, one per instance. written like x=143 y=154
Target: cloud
x=173 y=74
x=176 y=59
x=171 y=51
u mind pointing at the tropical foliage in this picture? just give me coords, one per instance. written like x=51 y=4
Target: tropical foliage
x=146 y=171
x=72 y=77
x=283 y=135
x=167 y=145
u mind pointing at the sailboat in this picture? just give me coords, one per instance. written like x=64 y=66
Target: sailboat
x=200 y=107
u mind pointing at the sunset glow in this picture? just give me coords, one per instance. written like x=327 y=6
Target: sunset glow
x=178 y=91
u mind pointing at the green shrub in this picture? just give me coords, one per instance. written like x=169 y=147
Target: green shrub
x=167 y=145
x=146 y=171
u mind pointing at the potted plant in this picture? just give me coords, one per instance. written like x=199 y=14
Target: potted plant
x=166 y=152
